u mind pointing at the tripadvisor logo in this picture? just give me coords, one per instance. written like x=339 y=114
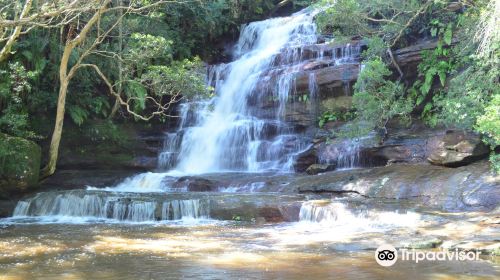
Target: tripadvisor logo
x=387 y=255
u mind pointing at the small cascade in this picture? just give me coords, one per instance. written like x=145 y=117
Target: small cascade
x=102 y=205
x=145 y=182
x=344 y=154
x=21 y=208
x=325 y=212
x=340 y=214
x=349 y=155
x=184 y=209
x=168 y=156
x=314 y=95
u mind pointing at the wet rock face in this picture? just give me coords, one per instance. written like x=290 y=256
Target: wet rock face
x=319 y=168
x=304 y=160
x=456 y=148
x=472 y=187
x=136 y=147
x=417 y=145
x=196 y=184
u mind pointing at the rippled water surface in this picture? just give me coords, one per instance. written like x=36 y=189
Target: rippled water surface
x=208 y=250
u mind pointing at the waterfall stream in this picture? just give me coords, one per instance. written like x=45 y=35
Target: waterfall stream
x=230 y=132
x=246 y=126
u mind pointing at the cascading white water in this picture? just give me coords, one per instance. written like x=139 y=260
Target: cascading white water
x=336 y=213
x=229 y=135
x=78 y=204
x=184 y=209
x=324 y=212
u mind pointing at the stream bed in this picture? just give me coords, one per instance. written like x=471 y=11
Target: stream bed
x=208 y=250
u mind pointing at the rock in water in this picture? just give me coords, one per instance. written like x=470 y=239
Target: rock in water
x=304 y=160
x=320 y=168
x=456 y=148
x=195 y=184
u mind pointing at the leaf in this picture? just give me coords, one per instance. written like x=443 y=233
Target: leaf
x=448 y=35
x=433 y=31
x=28 y=55
x=78 y=114
x=321 y=123
x=136 y=89
x=429 y=77
x=442 y=77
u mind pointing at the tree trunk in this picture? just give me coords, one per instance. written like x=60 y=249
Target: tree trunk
x=64 y=79
x=116 y=106
x=61 y=108
x=56 y=135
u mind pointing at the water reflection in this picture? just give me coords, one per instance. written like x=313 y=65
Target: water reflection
x=209 y=251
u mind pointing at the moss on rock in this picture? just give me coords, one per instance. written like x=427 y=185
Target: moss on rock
x=19 y=163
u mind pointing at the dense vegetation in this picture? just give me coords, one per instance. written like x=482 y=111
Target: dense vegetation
x=457 y=84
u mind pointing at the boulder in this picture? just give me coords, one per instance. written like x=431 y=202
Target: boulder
x=333 y=76
x=396 y=153
x=304 y=160
x=19 y=163
x=291 y=211
x=455 y=148
x=271 y=214
x=196 y=184
x=319 y=168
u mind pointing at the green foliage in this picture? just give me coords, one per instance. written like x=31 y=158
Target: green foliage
x=437 y=63
x=382 y=18
x=488 y=123
x=304 y=98
x=376 y=48
x=495 y=162
x=14 y=87
x=377 y=99
x=105 y=131
x=19 y=161
x=327 y=117
x=146 y=49
x=332 y=116
x=186 y=77
x=467 y=94
x=236 y=218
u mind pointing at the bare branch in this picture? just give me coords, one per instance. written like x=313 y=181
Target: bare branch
x=5 y=52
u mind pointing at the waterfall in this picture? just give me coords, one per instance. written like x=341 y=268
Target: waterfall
x=263 y=103
x=184 y=209
x=21 y=208
x=230 y=131
x=145 y=182
x=105 y=205
x=325 y=212
x=340 y=215
x=250 y=123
